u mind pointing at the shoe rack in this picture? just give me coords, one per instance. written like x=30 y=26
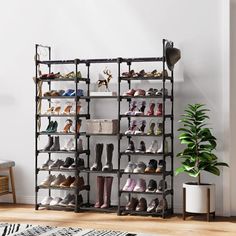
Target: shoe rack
x=166 y=156
x=39 y=119
x=119 y=172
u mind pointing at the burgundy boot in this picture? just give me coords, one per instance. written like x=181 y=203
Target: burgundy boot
x=107 y=193
x=100 y=191
x=159 y=109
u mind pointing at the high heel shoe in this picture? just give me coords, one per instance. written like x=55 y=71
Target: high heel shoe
x=159 y=109
x=141 y=128
x=49 y=111
x=159 y=130
x=151 y=129
x=57 y=109
x=67 y=109
x=151 y=109
x=141 y=109
x=132 y=108
x=78 y=109
x=79 y=122
x=132 y=128
x=53 y=128
x=67 y=126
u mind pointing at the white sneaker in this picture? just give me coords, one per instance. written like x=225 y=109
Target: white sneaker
x=153 y=147
x=130 y=167
x=47 y=182
x=69 y=145
x=56 y=165
x=55 y=201
x=46 y=200
x=160 y=150
x=59 y=179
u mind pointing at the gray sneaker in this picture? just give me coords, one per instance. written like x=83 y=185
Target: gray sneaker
x=46 y=164
x=69 y=197
x=56 y=165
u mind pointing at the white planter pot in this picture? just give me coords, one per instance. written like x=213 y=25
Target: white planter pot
x=196 y=197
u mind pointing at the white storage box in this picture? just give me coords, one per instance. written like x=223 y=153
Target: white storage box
x=102 y=126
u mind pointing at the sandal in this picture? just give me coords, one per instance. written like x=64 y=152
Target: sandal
x=132 y=128
x=151 y=109
x=141 y=109
x=128 y=74
x=132 y=108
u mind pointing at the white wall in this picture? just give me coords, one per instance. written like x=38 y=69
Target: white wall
x=90 y=29
x=232 y=103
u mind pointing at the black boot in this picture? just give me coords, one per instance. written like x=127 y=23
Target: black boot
x=109 y=166
x=56 y=145
x=98 y=163
x=49 y=144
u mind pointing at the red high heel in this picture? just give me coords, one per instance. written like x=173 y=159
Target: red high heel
x=159 y=109
x=151 y=109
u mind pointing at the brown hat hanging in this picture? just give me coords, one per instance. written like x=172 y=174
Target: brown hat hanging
x=172 y=57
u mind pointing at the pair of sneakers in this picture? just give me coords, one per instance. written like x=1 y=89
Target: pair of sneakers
x=154 y=147
x=135 y=167
x=70 y=145
x=136 y=186
x=157 y=206
x=155 y=167
x=152 y=186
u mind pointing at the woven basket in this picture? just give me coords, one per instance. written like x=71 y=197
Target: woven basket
x=4 y=184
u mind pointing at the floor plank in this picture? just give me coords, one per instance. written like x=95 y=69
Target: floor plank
x=174 y=226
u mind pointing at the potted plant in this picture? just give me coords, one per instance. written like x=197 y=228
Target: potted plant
x=197 y=157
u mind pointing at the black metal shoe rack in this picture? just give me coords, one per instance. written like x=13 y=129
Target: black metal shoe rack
x=168 y=157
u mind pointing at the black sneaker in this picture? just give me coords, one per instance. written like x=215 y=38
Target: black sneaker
x=152 y=186
x=130 y=148
x=80 y=164
x=160 y=187
x=142 y=147
x=68 y=162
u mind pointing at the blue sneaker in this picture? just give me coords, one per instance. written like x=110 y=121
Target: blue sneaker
x=80 y=93
x=68 y=92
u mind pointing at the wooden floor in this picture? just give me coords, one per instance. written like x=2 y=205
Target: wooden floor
x=149 y=225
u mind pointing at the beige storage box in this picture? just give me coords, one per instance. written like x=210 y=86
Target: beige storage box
x=4 y=184
x=102 y=126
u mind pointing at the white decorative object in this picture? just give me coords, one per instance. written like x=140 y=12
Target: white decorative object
x=196 y=197
x=102 y=126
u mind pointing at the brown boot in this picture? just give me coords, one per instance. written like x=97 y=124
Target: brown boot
x=100 y=191
x=107 y=193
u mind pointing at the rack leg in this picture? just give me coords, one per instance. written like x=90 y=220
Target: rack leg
x=184 y=203
x=208 y=204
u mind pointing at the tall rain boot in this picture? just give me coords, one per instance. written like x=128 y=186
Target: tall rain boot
x=100 y=191
x=109 y=166
x=97 y=166
x=107 y=192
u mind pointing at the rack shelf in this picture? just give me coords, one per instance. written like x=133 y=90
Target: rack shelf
x=155 y=174
x=145 y=154
x=165 y=193
x=145 y=97
x=145 y=116
x=86 y=187
x=145 y=78
x=71 y=115
x=56 y=208
x=114 y=171
x=65 y=80
x=65 y=152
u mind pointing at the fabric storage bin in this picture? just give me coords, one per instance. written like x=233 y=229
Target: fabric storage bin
x=4 y=184
x=102 y=126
